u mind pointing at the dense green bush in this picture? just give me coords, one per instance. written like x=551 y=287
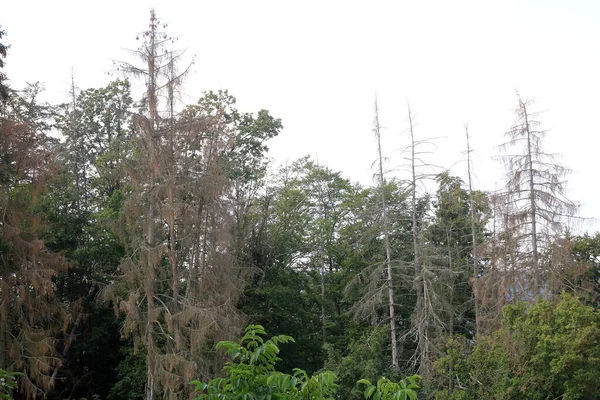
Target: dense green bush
x=251 y=375
x=542 y=351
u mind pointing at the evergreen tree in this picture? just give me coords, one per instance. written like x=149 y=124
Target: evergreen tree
x=184 y=276
x=534 y=195
x=31 y=313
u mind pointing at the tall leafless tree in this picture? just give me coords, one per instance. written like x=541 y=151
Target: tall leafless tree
x=474 y=255
x=427 y=317
x=386 y=241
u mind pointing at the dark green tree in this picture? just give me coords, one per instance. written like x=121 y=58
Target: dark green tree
x=450 y=235
x=298 y=259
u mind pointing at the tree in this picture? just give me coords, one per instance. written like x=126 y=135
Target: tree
x=535 y=193
x=367 y=356
x=82 y=206
x=427 y=308
x=299 y=259
x=183 y=274
x=8 y=383
x=386 y=389
x=32 y=315
x=460 y=216
x=3 y=53
x=252 y=374
x=474 y=239
x=386 y=240
x=152 y=318
x=98 y=131
x=574 y=266
x=546 y=350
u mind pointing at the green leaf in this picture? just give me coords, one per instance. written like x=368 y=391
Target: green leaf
x=369 y=391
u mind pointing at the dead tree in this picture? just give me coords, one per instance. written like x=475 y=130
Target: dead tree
x=386 y=240
x=534 y=192
x=428 y=308
x=474 y=254
x=183 y=283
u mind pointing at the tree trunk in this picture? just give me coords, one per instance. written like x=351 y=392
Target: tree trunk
x=421 y=287
x=533 y=210
x=475 y=275
x=388 y=250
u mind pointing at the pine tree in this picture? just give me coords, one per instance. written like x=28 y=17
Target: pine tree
x=183 y=269
x=386 y=241
x=427 y=311
x=32 y=315
x=534 y=195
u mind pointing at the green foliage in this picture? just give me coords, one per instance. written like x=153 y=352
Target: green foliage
x=283 y=301
x=252 y=373
x=132 y=376
x=449 y=247
x=542 y=351
x=8 y=383
x=386 y=389
x=367 y=357
x=585 y=252
x=244 y=157
x=297 y=249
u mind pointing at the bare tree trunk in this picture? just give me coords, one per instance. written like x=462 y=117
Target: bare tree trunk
x=451 y=319
x=322 y=215
x=150 y=236
x=533 y=210
x=386 y=239
x=149 y=290
x=322 y=292
x=473 y=236
x=450 y=268
x=421 y=287
x=75 y=139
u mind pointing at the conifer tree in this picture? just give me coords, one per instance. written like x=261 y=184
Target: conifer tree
x=534 y=195
x=32 y=315
x=426 y=315
x=386 y=241
x=474 y=255
x=183 y=272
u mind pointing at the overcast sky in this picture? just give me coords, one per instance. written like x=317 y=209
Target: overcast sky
x=318 y=65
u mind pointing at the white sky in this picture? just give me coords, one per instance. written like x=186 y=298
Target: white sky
x=318 y=64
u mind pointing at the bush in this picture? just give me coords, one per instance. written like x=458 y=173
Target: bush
x=251 y=375
x=544 y=351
